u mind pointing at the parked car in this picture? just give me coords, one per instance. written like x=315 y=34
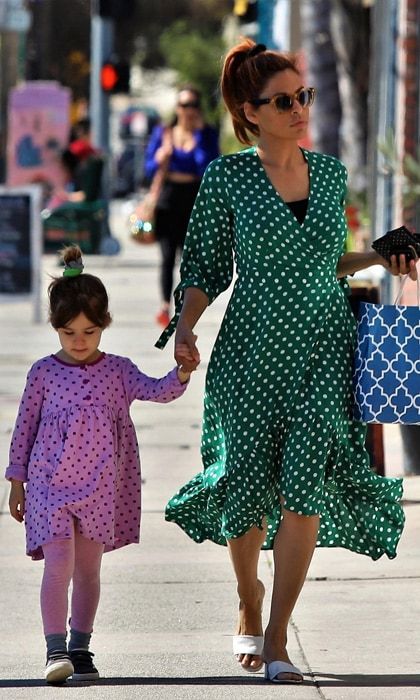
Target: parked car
x=136 y=125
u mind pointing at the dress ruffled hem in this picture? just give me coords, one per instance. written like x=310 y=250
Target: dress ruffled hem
x=357 y=521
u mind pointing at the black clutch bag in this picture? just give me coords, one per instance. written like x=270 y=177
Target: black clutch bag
x=399 y=241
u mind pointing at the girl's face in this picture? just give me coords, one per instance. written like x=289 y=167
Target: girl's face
x=291 y=124
x=79 y=340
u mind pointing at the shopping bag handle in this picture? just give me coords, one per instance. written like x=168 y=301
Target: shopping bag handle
x=401 y=289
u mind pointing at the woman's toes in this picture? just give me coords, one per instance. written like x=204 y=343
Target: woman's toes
x=251 y=661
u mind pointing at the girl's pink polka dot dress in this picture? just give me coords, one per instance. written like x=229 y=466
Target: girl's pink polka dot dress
x=75 y=444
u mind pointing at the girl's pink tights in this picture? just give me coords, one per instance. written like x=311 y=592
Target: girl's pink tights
x=78 y=560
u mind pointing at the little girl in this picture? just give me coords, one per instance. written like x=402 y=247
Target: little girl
x=75 y=446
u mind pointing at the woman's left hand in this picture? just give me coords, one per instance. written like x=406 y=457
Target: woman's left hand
x=184 y=355
x=400 y=266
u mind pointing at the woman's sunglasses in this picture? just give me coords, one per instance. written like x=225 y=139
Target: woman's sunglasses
x=284 y=102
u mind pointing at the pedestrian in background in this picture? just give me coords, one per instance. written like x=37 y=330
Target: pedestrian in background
x=183 y=150
x=285 y=466
x=75 y=446
x=80 y=141
x=67 y=188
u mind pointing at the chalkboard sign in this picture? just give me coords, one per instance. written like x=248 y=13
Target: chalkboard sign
x=20 y=241
x=15 y=244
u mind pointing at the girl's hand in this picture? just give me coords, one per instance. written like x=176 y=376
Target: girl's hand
x=402 y=267
x=186 y=352
x=183 y=375
x=17 y=500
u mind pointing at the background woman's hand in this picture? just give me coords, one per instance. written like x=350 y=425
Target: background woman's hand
x=166 y=149
x=17 y=500
x=186 y=351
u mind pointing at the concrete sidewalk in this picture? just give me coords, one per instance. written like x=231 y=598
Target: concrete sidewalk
x=168 y=606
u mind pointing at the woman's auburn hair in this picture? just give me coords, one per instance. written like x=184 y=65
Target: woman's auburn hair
x=244 y=77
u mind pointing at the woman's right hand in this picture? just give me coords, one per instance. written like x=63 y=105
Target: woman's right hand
x=186 y=351
x=17 y=500
x=165 y=151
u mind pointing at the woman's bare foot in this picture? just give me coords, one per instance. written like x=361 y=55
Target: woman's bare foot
x=250 y=622
x=275 y=650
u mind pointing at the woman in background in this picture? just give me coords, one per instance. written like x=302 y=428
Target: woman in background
x=183 y=150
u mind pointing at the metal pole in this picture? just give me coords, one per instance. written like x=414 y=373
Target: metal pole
x=102 y=44
x=36 y=249
x=382 y=118
x=417 y=209
x=265 y=22
x=102 y=39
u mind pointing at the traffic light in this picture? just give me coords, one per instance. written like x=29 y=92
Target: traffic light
x=115 y=77
x=246 y=11
x=116 y=9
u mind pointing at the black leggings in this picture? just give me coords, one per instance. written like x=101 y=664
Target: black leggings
x=172 y=216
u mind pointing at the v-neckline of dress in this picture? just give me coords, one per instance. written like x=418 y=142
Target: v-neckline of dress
x=305 y=155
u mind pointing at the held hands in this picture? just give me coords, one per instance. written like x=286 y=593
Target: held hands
x=17 y=500
x=187 y=362
x=186 y=352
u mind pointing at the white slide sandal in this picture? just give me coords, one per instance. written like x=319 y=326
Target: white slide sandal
x=275 y=668
x=248 y=644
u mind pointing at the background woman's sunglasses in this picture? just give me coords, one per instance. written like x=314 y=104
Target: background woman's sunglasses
x=284 y=102
x=189 y=105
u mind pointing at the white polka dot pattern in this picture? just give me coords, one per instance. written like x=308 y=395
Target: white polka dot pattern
x=278 y=402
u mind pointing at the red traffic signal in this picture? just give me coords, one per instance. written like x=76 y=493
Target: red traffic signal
x=109 y=77
x=115 y=77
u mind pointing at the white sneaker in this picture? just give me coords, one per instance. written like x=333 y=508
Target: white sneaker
x=58 y=668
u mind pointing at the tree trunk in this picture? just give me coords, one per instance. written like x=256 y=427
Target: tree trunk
x=350 y=35
x=322 y=74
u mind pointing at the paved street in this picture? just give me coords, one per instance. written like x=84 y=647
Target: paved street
x=167 y=609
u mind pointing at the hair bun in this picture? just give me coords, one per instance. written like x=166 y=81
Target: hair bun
x=72 y=259
x=255 y=50
x=70 y=253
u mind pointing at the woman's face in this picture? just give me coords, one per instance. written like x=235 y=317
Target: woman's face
x=290 y=124
x=188 y=107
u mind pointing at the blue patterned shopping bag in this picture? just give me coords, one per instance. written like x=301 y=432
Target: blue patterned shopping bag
x=387 y=364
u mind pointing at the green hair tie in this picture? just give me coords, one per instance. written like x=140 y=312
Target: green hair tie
x=73 y=268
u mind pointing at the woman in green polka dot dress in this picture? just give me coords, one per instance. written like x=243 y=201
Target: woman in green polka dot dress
x=284 y=462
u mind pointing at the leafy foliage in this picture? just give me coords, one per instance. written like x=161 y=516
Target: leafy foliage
x=407 y=167
x=140 y=36
x=196 y=56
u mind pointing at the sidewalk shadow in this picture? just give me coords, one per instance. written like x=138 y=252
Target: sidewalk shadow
x=256 y=680
x=321 y=680
x=360 y=680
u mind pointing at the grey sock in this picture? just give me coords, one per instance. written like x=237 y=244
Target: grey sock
x=79 y=640
x=56 y=642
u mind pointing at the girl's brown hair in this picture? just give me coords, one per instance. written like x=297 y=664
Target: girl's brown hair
x=71 y=296
x=244 y=77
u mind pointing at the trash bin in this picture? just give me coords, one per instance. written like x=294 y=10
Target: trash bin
x=79 y=222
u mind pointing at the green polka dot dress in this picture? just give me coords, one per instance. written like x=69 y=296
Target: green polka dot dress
x=278 y=400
